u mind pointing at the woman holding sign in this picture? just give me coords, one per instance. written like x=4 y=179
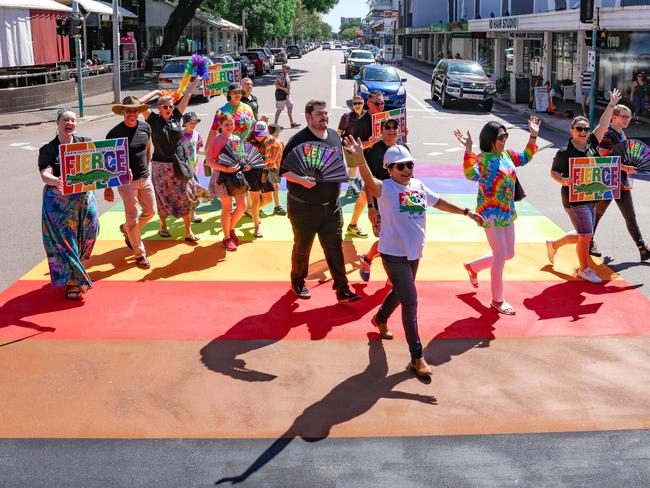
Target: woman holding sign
x=70 y=223
x=582 y=144
x=494 y=170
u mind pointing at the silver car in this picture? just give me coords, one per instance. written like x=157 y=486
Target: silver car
x=460 y=80
x=171 y=73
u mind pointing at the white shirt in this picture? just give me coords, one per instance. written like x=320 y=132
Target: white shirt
x=403 y=211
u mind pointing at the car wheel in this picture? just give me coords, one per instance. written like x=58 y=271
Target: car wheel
x=433 y=92
x=444 y=98
x=487 y=106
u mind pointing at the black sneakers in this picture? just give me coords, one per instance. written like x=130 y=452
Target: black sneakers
x=301 y=291
x=345 y=295
x=593 y=250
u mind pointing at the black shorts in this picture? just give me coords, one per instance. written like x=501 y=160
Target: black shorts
x=258 y=180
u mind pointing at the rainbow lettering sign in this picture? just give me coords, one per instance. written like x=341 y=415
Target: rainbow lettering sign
x=219 y=76
x=396 y=113
x=94 y=165
x=595 y=179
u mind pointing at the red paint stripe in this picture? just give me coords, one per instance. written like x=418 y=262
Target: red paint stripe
x=266 y=310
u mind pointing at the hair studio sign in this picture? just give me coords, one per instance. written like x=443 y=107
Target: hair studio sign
x=504 y=23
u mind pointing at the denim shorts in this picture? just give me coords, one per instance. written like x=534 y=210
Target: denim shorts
x=583 y=217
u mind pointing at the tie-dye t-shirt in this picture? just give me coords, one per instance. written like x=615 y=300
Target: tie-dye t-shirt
x=496 y=177
x=610 y=139
x=243 y=115
x=192 y=143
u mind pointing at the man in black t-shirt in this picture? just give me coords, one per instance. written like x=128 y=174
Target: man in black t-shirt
x=248 y=98
x=140 y=189
x=363 y=127
x=314 y=209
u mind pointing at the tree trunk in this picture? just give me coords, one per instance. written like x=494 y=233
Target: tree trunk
x=176 y=24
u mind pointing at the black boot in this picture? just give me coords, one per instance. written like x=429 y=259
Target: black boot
x=643 y=250
x=593 y=250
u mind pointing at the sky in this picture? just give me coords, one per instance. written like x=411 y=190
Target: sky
x=345 y=8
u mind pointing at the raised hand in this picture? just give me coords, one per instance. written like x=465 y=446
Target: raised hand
x=465 y=140
x=352 y=146
x=534 y=124
x=615 y=96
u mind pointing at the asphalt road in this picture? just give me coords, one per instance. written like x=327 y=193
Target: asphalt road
x=595 y=459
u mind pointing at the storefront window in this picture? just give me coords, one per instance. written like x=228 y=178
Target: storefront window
x=533 y=58
x=564 y=58
x=485 y=54
x=625 y=55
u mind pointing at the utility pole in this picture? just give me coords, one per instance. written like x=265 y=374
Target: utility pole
x=116 y=54
x=76 y=18
x=243 y=25
x=592 y=65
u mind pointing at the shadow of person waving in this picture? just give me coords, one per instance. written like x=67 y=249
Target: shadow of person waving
x=463 y=334
x=349 y=399
x=257 y=331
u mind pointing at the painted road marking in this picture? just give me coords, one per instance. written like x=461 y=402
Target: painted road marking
x=421 y=104
x=333 y=88
x=434 y=153
x=455 y=149
x=435 y=143
x=17 y=144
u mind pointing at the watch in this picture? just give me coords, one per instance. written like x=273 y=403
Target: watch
x=466 y=211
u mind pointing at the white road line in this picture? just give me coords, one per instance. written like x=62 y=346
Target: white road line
x=434 y=153
x=16 y=144
x=29 y=148
x=455 y=149
x=435 y=143
x=333 y=88
x=440 y=118
x=421 y=104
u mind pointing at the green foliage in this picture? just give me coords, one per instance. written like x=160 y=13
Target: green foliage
x=307 y=25
x=348 y=33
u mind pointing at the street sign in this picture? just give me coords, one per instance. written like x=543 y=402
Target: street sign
x=591 y=61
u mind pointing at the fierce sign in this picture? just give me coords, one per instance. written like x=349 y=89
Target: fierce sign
x=595 y=179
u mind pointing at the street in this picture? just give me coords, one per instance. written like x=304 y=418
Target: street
x=205 y=367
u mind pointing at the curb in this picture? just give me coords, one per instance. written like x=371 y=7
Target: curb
x=547 y=121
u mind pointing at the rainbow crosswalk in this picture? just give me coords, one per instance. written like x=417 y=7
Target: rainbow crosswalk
x=213 y=344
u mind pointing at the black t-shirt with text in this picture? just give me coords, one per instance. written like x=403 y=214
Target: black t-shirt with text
x=561 y=164
x=138 y=137
x=322 y=192
x=48 y=155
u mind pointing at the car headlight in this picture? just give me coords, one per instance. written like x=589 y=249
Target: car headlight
x=401 y=91
x=491 y=86
x=453 y=84
x=364 y=89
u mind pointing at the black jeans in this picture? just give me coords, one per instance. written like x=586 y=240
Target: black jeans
x=326 y=221
x=402 y=273
x=626 y=206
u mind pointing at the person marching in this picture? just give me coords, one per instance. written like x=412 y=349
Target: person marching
x=248 y=98
x=314 y=209
x=193 y=144
x=70 y=223
x=242 y=114
x=274 y=168
x=283 y=96
x=140 y=190
x=229 y=218
x=375 y=160
x=261 y=188
x=638 y=92
x=494 y=169
x=582 y=144
x=402 y=238
x=346 y=126
x=621 y=117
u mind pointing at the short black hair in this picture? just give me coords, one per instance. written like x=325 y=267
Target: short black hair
x=489 y=134
x=309 y=106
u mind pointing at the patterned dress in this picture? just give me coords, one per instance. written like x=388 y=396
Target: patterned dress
x=496 y=177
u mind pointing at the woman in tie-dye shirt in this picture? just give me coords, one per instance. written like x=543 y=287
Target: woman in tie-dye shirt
x=494 y=170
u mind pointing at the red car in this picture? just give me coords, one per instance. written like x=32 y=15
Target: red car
x=259 y=60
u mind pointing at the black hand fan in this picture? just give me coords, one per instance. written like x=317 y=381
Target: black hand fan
x=633 y=153
x=241 y=153
x=317 y=160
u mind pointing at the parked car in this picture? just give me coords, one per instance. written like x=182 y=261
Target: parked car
x=346 y=53
x=356 y=60
x=293 y=51
x=259 y=60
x=267 y=52
x=337 y=45
x=386 y=79
x=247 y=68
x=326 y=45
x=280 y=55
x=459 y=80
x=171 y=73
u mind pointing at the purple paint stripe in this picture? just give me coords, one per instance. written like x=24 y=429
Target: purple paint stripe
x=424 y=170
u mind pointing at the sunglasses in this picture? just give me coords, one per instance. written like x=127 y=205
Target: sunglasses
x=166 y=106
x=624 y=116
x=502 y=137
x=581 y=129
x=357 y=103
x=377 y=104
x=131 y=111
x=391 y=127
x=401 y=166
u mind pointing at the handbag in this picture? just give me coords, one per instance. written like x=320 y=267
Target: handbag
x=182 y=168
x=520 y=194
x=235 y=183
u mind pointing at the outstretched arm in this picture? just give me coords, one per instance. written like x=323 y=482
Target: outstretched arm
x=606 y=118
x=372 y=185
x=402 y=395
x=446 y=206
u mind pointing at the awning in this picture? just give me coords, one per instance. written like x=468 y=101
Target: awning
x=35 y=4
x=97 y=7
x=218 y=22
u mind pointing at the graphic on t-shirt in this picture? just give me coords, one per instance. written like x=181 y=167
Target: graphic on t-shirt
x=413 y=202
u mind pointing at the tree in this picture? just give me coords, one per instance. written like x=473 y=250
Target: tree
x=349 y=33
x=175 y=26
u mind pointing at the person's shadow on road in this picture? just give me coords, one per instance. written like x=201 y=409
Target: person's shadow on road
x=349 y=399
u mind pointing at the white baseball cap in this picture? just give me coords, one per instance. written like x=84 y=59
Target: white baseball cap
x=261 y=129
x=397 y=154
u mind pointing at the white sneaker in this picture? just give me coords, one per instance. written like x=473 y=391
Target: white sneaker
x=589 y=275
x=550 y=251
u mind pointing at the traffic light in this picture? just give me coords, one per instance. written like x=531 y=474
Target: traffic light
x=601 y=39
x=62 y=26
x=587 y=11
x=76 y=26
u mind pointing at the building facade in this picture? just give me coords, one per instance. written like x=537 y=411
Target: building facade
x=381 y=21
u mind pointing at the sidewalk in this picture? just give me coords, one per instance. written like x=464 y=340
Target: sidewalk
x=549 y=121
x=96 y=107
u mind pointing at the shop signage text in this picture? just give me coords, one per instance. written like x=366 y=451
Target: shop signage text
x=539 y=36
x=504 y=23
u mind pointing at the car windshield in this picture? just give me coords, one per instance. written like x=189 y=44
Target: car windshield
x=251 y=55
x=466 y=69
x=174 y=67
x=361 y=55
x=380 y=74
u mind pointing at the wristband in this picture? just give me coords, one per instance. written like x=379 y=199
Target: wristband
x=370 y=205
x=466 y=211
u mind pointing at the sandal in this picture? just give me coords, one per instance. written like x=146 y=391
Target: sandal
x=191 y=238
x=503 y=307
x=73 y=292
x=258 y=234
x=473 y=277
x=164 y=233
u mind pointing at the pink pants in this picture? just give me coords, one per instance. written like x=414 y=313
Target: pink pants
x=502 y=243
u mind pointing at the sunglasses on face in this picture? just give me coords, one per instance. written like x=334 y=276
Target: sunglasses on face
x=390 y=127
x=581 y=129
x=357 y=103
x=131 y=111
x=623 y=116
x=502 y=137
x=401 y=166
x=166 y=106
x=377 y=104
